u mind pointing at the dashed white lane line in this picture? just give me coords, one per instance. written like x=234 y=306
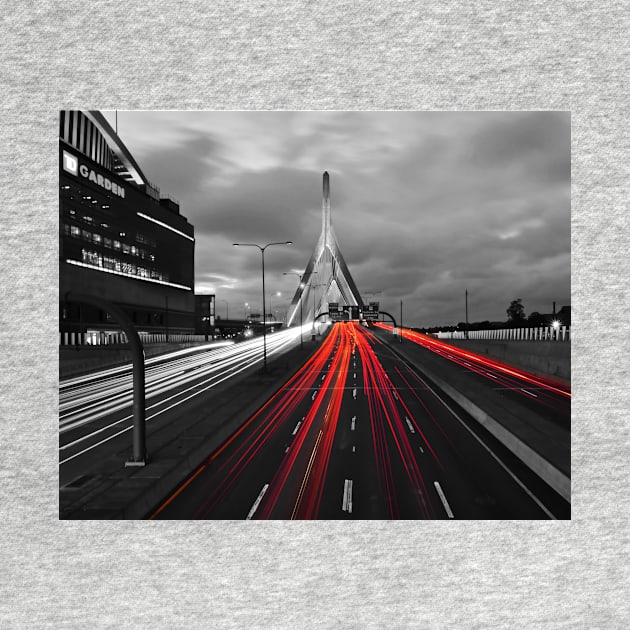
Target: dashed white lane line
x=410 y=425
x=355 y=375
x=346 y=505
x=447 y=507
x=297 y=426
x=421 y=449
x=257 y=502
x=354 y=393
x=530 y=393
x=354 y=449
x=352 y=424
x=491 y=375
x=314 y=394
x=395 y=394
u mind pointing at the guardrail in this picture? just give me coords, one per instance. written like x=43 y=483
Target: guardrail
x=543 y=333
x=118 y=338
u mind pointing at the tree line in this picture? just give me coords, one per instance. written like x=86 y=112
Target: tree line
x=516 y=319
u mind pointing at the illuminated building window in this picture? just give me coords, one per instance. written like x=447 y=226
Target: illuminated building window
x=92 y=258
x=116 y=244
x=75 y=231
x=126 y=249
x=86 y=235
x=134 y=251
x=97 y=238
x=107 y=242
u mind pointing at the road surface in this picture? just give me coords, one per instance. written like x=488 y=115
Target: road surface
x=357 y=433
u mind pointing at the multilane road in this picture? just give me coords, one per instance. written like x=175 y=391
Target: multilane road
x=358 y=433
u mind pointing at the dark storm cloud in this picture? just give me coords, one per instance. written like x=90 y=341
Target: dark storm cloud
x=424 y=205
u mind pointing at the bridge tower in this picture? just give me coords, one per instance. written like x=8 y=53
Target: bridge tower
x=326 y=278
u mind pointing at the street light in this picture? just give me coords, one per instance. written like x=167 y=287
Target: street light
x=293 y=273
x=262 y=252
x=315 y=286
x=278 y=294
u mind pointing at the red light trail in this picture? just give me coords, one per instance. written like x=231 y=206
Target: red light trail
x=289 y=459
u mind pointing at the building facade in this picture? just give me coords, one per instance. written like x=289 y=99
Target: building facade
x=119 y=239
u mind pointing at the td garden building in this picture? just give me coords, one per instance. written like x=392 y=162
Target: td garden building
x=120 y=240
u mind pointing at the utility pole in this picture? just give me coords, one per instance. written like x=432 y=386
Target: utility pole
x=401 y=322
x=466 y=332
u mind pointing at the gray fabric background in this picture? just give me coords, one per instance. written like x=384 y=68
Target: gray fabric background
x=326 y=55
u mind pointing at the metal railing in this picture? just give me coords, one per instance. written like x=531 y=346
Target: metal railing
x=542 y=333
x=118 y=338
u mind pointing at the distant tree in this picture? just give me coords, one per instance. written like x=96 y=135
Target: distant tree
x=536 y=319
x=516 y=312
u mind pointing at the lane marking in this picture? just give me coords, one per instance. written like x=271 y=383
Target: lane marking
x=355 y=375
x=496 y=458
x=286 y=450
x=353 y=423
x=447 y=507
x=421 y=449
x=354 y=393
x=410 y=425
x=530 y=393
x=257 y=502
x=297 y=426
x=323 y=376
x=395 y=394
x=491 y=375
x=346 y=505
x=354 y=449
x=314 y=394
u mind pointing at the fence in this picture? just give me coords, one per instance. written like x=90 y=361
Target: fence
x=100 y=338
x=544 y=333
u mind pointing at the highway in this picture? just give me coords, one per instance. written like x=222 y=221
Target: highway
x=96 y=409
x=357 y=433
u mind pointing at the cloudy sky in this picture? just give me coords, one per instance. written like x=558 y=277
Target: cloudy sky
x=425 y=204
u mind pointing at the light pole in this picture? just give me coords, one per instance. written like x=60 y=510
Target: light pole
x=315 y=286
x=262 y=252
x=293 y=273
x=278 y=294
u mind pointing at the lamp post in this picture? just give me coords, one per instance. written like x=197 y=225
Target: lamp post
x=262 y=252
x=293 y=273
x=278 y=294
x=315 y=286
